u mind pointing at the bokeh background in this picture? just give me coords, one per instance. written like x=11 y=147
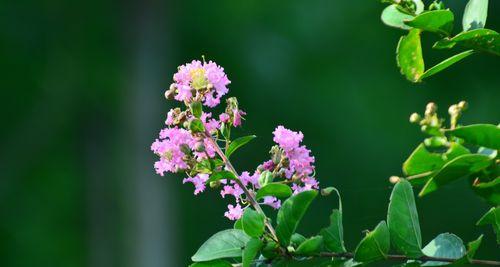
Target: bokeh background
x=82 y=99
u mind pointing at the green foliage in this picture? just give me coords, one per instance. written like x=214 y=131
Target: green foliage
x=196 y=109
x=274 y=189
x=439 y=21
x=196 y=126
x=472 y=247
x=237 y=143
x=444 y=245
x=224 y=244
x=402 y=220
x=462 y=166
x=220 y=175
x=486 y=135
x=251 y=250
x=492 y=217
x=333 y=235
x=310 y=246
x=375 y=246
x=409 y=55
x=290 y=214
x=215 y=263
x=253 y=223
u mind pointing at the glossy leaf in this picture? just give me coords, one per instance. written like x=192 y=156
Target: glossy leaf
x=250 y=251
x=490 y=191
x=196 y=126
x=374 y=246
x=310 y=246
x=484 y=40
x=333 y=235
x=290 y=214
x=472 y=247
x=297 y=239
x=252 y=222
x=402 y=220
x=392 y=17
x=237 y=143
x=421 y=161
x=224 y=244
x=437 y=21
x=445 y=245
x=215 y=263
x=475 y=14
x=196 y=109
x=492 y=217
x=274 y=189
x=409 y=55
x=486 y=135
x=445 y=43
x=221 y=175
x=455 y=169
x=446 y=63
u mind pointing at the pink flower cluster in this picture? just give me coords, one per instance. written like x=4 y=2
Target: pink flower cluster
x=191 y=78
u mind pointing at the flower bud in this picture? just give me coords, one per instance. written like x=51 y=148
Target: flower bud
x=199 y=146
x=453 y=110
x=265 y=178
x=170 y=93
x=435 y=141
x=215 y=184
x=463 y=105
x=430 y=109
x=185 y=149
x=394 y=179
x=415 y=118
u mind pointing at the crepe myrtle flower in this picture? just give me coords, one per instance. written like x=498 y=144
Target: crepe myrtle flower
x=201 y=81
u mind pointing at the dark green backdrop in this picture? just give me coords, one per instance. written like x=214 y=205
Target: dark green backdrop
x=82 y=99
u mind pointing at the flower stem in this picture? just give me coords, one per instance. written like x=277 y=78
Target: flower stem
x=249 y=194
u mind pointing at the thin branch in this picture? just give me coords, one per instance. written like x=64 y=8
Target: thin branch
x=249 y=194
x=405 y=258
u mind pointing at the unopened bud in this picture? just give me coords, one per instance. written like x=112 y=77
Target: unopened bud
x=170 y=93
x=463 y=105
x=199 y=147
x=415 y=118
x=453 y=110
x=215 y=184
x=265 y=178
x=394 y=179
x=430 y=109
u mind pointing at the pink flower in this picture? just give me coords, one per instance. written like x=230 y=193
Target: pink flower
x=247 y=179
x=234 y=212
x=237 y=117
x=287 y=139
x=272 y=202
x=233 y=190
x=198 y=182
x=170 y=117
x=224 y=117
x=168 y=148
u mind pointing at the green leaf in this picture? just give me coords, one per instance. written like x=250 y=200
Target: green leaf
x=297 y=239
x=196 y=109
x=486 y=135
x=290 y=214
x=472 y=247
x=310 y=246
x=374 y=246
x=490 y=191
x=402 y=220
x=251 y=250
x=446 y=63
x=421 y=161
x=265 y=178
x=196 y=126
x=333 y=235
x=455 y=169
x=215 y=263
x=484 y=40
x=445 y=245
x=237 y=143
x=274 y=189
x=445 y=43
x=475 y=14
x=392 y=17
x=437 y=21
x=224 y=244
x=221 y=175
x=492 y=217
x=454 y=151
x=238 y=225
x=409 y=55
x=252 y=222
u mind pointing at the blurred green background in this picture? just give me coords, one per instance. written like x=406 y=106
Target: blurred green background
x=82 y=99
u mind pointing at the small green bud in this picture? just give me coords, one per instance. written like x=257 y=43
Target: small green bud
x=435 y=141
x=196 y=126
x=185 y=149
x=265 y=178
x=196 y=109
x=214 y=184
x=453 y=110
x=415 y=118
x=394 y=179
x=463 y=105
